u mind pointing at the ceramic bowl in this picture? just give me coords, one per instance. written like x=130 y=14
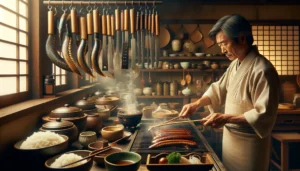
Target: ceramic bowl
x=123 y=161
x=147 y=91
x=86 y=166
x=87 y=137
x=112 y=133
x=46 y=151
x=200 y=54
x=185 y=65
x=214 y=66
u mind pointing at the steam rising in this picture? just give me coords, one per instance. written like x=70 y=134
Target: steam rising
x=124 y=85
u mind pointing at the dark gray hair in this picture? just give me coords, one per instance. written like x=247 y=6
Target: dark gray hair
x=232 y=25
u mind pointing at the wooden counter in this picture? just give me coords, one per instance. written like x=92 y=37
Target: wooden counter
x=218 y=166
x=288 y=120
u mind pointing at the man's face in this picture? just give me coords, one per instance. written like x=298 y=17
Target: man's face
x=228 y=46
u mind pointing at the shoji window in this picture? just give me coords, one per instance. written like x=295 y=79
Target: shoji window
x=59 y=75
x=280 y=44
x=14 y=47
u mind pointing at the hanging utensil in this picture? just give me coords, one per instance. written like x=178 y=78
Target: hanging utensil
x=208 y=42
x=82 y=47
x=104 y=43
x=52 y=54
x=196 y=36
x=97 y=42
x=142 y=43
x=188 y=78
x=117 y=55
x=109 y=47
x=88 y=56
x=157 y=45
x=164 y=36
x=74 y=29
x=133 y=40
x=152 y=39
x=65 y=51
x=125 y=45
x=135 y=68
x=149 y=78
x=183 y=82
x=61 y=24
x=183 y=34
x=138 y=36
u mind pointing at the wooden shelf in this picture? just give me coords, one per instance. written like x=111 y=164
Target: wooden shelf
x=181 y=70
x=194 y=58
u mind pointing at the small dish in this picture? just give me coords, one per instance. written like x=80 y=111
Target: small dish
x=200 y=54
x=173 y=55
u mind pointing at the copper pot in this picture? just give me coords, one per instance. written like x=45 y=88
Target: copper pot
x=63 y=128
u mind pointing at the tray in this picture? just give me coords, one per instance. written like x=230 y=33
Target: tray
x=206 y=165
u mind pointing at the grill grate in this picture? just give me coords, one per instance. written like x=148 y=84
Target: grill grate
x=144 y=137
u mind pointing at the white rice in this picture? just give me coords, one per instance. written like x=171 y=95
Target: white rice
x=41 y=140
x=66 y=159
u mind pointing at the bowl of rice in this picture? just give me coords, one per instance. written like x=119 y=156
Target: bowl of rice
x=43 y=143
x=55 y=163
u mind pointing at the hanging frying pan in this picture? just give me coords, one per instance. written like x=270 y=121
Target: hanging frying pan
x=164 y=37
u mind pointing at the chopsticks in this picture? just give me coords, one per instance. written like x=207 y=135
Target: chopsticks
x=171 y=123
x=90 y=156
x=163 y=123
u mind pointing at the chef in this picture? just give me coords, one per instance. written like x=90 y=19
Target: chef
x=249 y=90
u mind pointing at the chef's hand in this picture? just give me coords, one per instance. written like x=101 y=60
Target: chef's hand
x=188 y=110
x=215 y=120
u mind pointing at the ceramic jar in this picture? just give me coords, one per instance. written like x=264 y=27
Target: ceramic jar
x=159 y=89
x=186 y=91
x=87 y=137
x=147 y=112
x=173 y=88
x=166 y=89
x=176 y=45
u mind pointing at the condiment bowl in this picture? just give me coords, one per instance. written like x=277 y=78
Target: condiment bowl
x=84 y=166
x=123 y=161
x=112 y=133
x=99 y=158
x=104 y=113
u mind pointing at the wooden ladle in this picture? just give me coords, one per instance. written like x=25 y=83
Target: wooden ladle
x=188 y=78
x=183 y=82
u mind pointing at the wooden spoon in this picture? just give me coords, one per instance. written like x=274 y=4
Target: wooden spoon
x=188 y=78
x=149 y=79
x=183 y=82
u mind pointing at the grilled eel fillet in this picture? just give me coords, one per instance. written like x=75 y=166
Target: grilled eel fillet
x=54 y=56
x=173 y=142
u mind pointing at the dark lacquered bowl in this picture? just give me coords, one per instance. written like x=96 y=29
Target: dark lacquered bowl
x=46 y=151
x=129 y=119
x=81 y=167
x=112 y=160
